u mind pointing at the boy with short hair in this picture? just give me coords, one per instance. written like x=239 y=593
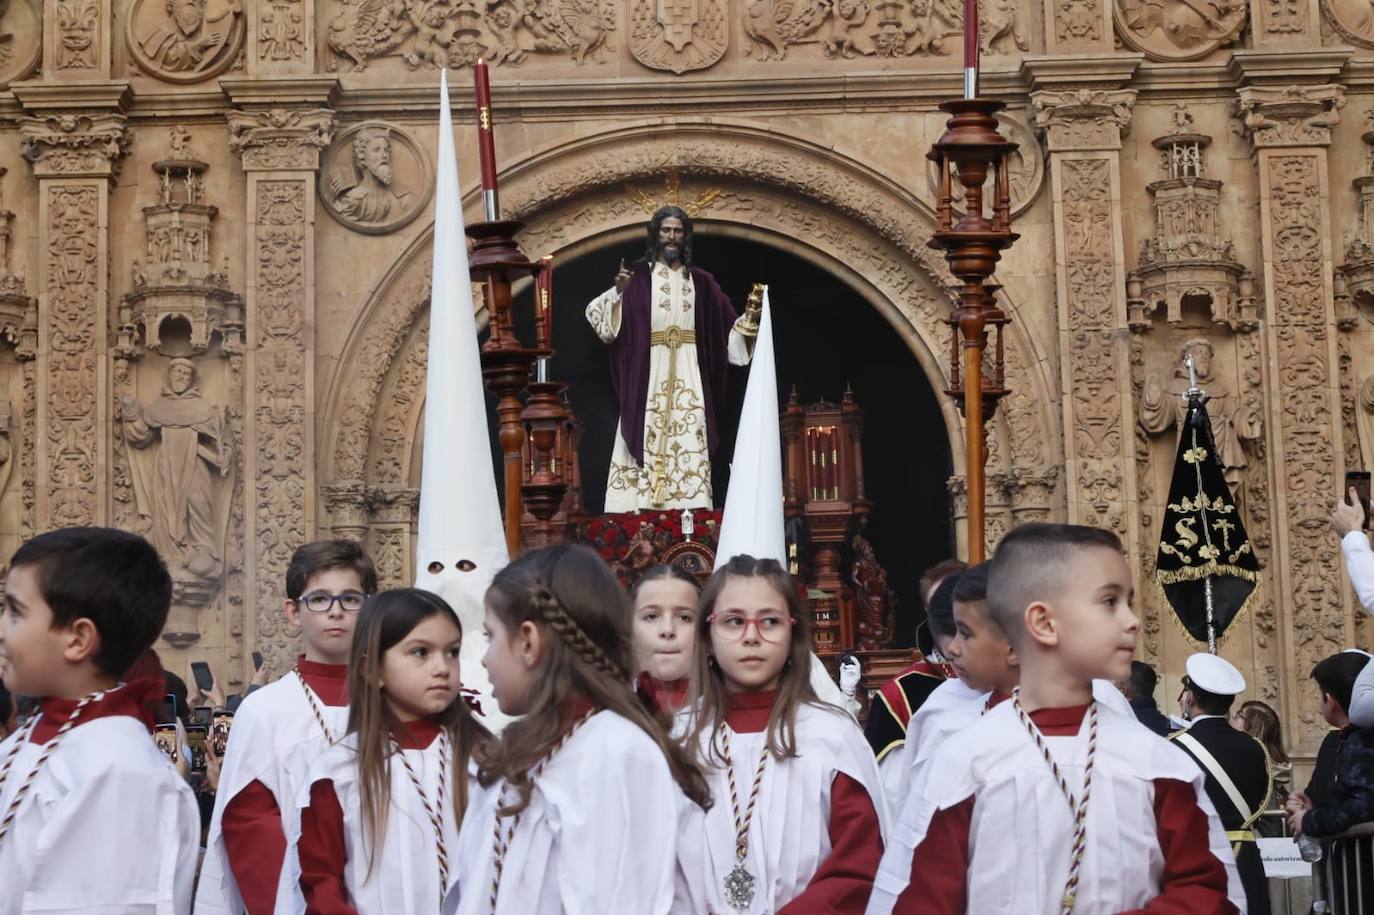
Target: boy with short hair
x=1007 y=823
x=278 y=732
x=1351 y=792
x=93 y=817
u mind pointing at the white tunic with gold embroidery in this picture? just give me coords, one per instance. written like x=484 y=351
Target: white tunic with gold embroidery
x=677 y=466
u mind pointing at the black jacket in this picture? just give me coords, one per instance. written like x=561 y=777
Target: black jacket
x=1244 y=761
x=1148 y=714
x=1350 y=799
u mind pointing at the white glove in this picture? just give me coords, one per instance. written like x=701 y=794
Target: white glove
x=850 y=672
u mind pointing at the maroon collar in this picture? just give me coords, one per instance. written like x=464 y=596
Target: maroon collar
x=666 y=695
x=748 y=713
x=130 y=699
x=416 y=735
x=1059 y=722
x=329 y=681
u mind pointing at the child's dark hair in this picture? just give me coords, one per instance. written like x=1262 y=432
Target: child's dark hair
x=940 y=610
x=113 y=578
x=573 y=595
x=385 y=620
x=329 y=554
x=660 y=572
x=938 y=573
x=1335 y=676
x=708 y=683
x=972 y=586
x=1031 y=565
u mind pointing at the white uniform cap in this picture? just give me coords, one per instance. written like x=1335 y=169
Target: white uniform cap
x=1215 y=675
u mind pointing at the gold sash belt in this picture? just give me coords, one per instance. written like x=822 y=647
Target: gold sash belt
x=673 y=337
x=1240 y=835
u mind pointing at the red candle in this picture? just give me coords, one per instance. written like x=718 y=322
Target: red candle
x=970 y=34
x=544 y=308
x=486 y=144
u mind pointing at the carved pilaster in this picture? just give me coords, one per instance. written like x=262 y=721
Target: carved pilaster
x=394 y=509
x=74 y=156
x=280 y=149
x=77 y=45
x=1078 y=26
x=1285 y=23
x=1289 y=128
x=282 y=40
x=1084 y=130
x=1032 y=493
x=347 y=505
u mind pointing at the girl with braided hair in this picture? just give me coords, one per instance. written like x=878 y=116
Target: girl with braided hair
x=799 y=821
x=381 y=808
x=584 y=789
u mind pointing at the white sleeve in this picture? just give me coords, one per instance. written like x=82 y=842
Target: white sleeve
x=1359 y=564
x=603 y=314
x=1362 y=698
x=739 y=349
x=621 y=848
x=154 y=819
x=827 y=690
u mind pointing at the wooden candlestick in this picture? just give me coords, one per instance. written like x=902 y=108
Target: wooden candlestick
x=486 y=140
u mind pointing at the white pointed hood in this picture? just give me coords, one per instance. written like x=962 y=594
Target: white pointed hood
x=753 y=519
x=461 y=535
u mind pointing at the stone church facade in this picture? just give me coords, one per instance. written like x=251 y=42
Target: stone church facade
x=215 y=245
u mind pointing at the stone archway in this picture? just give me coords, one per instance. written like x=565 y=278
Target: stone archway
x=825 y=208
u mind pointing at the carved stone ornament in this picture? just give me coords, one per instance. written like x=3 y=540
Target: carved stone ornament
x=176 y=280
x=1083 y=119
x=455 y=33
x=185 y=41
x=78 y=34
x=21 y=39
x=1355 y=278
x=74 y=145
x=375 y=178
x=1291 y=116
x=876 y=28
x=280 y=138
x=1188 y=259
x=1178 y=29
x=18 y=311
x=1353 y=20
x=1077 y=22
x=678 y=35
x=1025 y=167
x=281 y=30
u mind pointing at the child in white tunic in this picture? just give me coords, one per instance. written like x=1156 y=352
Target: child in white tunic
x=585 y=788
x=278 y=732
x=798 y=820
x=381 y=808
x=1054 y=802
x=94 y=819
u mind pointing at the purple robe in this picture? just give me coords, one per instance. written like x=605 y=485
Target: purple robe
x=715 y=316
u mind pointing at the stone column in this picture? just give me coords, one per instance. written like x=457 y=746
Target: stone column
x=1083 y=130
x=74 y=145
x=279 y=139
x=394 y=511
x=1289 y=127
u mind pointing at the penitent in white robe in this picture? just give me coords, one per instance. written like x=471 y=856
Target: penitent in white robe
x=404 y=877
x=1020 y=837
x=677 y=463
x=598 y=837
x=789 y=834
x=952 y=708
x=108 y=828
x=274 y=740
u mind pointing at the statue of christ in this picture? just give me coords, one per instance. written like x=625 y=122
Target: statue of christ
x=671 y=332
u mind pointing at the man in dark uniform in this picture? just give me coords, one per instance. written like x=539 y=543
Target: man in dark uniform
x=1235 y=764
x=1139 y=690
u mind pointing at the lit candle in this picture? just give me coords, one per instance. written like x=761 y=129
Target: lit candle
x=486 y=142
x=970 y=48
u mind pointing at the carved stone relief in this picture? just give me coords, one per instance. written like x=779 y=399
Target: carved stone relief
x=1077 y=22
x=1026 y=166
x=419 y=33
x=1291 y=116
x=878 y=28
x=281 y=30
x=680 y=35
x=78 y=34
x=376 y=178
x=21 y=39
x=1179 y=29
x=1353 y=20
x=280 y=138
x=1285 y=18
x=185 y=41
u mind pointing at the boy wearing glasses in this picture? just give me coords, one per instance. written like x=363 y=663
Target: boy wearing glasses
x=278 y=731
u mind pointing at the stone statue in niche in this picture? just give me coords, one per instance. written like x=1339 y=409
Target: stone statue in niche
x=1364 y=422
x=379 y=178
x=182 y=461
x=364 y=192
x=1163 y=406
x=184 y=41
